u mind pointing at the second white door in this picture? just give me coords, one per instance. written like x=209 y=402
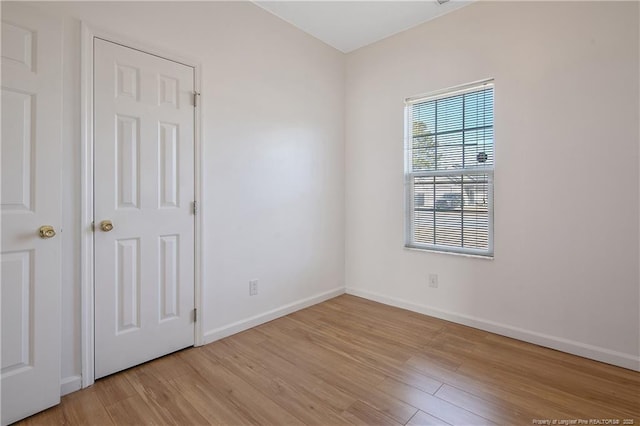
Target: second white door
x=144 y=218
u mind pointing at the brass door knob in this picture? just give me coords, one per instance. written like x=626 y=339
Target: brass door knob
x=47 y=231
x=106 y=225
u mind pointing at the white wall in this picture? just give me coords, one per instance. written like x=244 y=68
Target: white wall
x=273 y=111
x=565 y=272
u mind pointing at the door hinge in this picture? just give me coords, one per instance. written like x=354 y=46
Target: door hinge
x=195 y=314
x=195 y=98
x=93 y=227
x=195 y=207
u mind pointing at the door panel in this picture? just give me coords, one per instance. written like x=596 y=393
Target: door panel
x=30 y=198
x=144 y=185
x=16 y=301
x=17 y=161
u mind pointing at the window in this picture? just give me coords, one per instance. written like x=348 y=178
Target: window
x=449 y=170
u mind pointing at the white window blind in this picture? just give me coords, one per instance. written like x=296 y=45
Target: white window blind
x=449 y=170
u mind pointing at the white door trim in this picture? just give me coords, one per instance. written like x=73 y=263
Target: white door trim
x=87 y=195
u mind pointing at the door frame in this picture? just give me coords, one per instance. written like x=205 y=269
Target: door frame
x=87 y=278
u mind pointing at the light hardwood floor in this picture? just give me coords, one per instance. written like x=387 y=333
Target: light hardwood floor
x=353 y=361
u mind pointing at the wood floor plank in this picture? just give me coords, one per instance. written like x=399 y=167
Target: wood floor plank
x=492 y=382
x=114 y=388
x=215 y=409
x=353 y=361
x=498 y=411
x=519 y=358
x=134 y=410
x=336 y=363
x=432 y=405
x=368 y=354
x=417 y=380
x=380 y=356
x=618 y=375
x=363 y=323
x=487 y=384
x=423 y=419
x=331 y=396
x=349 y=378
x=167 y=367
x=361 y=413
x=254 y=405
x=52 y=416
x=165 y=400
x=79 y=408
x=556 y=387
x=296 y=400
x=85 y=408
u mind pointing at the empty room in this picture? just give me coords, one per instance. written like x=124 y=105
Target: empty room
x=320 y=212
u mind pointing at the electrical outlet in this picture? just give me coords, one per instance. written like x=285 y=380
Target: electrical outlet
x=433 y=280
x=253 y=287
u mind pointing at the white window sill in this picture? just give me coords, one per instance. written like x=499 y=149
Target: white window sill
x=436 y=251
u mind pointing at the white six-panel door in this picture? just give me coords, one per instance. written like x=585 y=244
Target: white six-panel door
x=29 y=199
x=144 y=219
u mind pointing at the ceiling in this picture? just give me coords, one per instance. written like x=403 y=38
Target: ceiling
x=349 y=25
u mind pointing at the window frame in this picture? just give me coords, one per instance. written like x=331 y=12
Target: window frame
x=410 y=175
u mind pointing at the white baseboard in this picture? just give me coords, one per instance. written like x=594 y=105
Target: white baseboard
x=245 y=324
x=70 y=384
x=597 y=353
